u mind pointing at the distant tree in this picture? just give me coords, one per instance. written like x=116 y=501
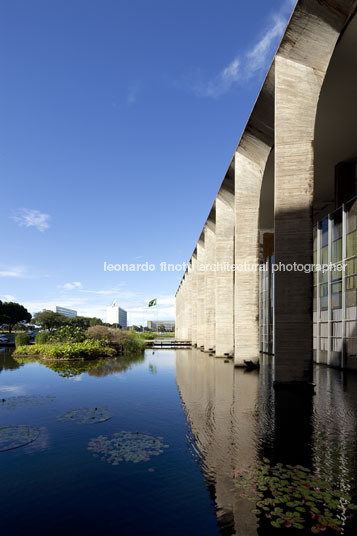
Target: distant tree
x=12 y=313
x=161 y=327
x=82 y=322
x=49 y=320
x=95 y=321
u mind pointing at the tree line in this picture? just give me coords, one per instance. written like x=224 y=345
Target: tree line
x=14 y=314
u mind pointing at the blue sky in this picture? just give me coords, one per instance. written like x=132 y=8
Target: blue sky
x=118 y=121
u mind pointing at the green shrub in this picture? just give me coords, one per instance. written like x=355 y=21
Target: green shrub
x=88 y=349
x=121 y=341
x=147 y=335
x=69 y=333
x=22 y=339
x=134 y=344
x=42 y=337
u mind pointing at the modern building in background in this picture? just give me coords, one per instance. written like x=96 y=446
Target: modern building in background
x=169 y=325
x=117 y=315
x=287 y=201
x=71 y=313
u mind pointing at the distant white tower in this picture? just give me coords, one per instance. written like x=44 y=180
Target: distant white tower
x=117 y=315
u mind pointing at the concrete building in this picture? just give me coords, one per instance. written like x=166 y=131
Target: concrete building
x=117 y=315
x=287 y=200
x=65 y=311
x=169 y=325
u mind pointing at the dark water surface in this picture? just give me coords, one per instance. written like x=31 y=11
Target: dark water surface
x=216 y=421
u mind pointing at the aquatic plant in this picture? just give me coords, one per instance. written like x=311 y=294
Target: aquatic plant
x=86 y=415
x=13 y=437
x=88 y=349
x=132 y=447
x=15 y=402
x=292 y=496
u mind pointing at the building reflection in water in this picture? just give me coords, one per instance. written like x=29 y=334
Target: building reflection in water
x=237 y=418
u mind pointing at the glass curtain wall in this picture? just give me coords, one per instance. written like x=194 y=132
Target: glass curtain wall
x=334 y=304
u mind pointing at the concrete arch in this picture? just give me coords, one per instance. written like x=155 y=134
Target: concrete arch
x=251 y=158
x=300 y=67
x=225 y=233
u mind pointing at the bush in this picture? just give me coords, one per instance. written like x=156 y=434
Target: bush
x=22 y=339
x=147 y=335
x=42 y=337
x=134 y=344
x=122 y=341
x=89 y=349
x=69 y=333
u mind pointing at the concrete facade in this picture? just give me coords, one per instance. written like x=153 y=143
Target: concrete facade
x=283 y=123
x=210 y=286
x=224 y=302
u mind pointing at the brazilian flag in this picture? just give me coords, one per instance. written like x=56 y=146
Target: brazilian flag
x=152 y=302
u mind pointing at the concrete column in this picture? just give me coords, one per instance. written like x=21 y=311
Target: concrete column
x=210 y=287
x=178 y=314
x=224 y=277
x=200 y=278
x=188 y=306
x=300 y=68
x=184 y=309
x=250 y=163
x=194 y=299
x=297 y=92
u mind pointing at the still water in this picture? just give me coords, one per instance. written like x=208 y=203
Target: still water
x=187 y=423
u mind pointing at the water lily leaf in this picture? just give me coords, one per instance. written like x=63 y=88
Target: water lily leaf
x=86 y=415
x=13 y=437
x=132 y=447
x=15 y=402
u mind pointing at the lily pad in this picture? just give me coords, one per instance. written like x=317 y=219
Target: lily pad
x=15 y=402
x=307 y=501
x=132 y=447
x=86 y=415
x=14 y=437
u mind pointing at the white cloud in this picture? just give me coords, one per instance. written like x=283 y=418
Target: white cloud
x=8 y=297
x=114 y=292
x=71 y=286
x=247 y=64
x=32 y=218
x=36 y=306
x=222 y=83
x=257 y=58
x=13 y=271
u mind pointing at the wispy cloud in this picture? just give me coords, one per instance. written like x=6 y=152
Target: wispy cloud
x=113 y=291
x=131 y=97
x=257 y=58
x=7 y=297
x=71 y=286
x=13 y=271
x=248 y=63
x=221 y=83
x=27 y=217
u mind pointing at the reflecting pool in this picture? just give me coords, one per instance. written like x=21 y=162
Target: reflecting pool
x=157 y=444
